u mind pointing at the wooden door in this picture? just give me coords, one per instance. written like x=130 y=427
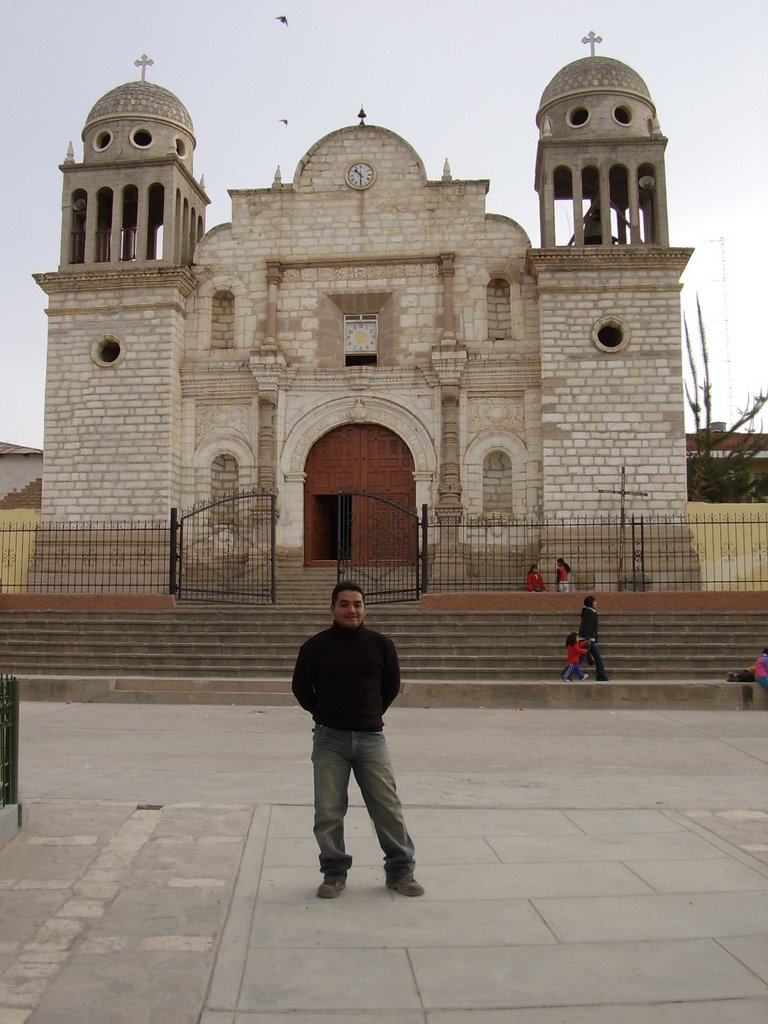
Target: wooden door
x=357 y=456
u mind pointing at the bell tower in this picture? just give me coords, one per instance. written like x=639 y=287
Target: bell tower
x=608 y=287
x=132 y=214
x=133 y=199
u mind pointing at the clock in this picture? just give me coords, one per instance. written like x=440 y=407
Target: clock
x=360 y=336
x=360 y=175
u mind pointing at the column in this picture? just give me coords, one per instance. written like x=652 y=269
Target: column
x=447 y=272
x=449 y=487
x=578 y=208
x=605 y=205
x=266 y=471
x=274 y=278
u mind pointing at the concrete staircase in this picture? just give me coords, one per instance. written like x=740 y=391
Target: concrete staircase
x=245 y=654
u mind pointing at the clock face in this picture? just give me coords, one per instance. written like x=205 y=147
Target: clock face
x=360 y=175
x=360 y=337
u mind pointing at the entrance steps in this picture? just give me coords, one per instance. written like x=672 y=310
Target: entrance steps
x=233 y=654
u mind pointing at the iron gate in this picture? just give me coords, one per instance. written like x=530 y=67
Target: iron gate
x=224 y=550
x=382 y=546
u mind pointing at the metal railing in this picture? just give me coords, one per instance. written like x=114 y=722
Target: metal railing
x=9 y=740
x=226 y=551
x=84 y=558
x=605 y=553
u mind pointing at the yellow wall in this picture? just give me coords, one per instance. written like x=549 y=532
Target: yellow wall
x=732 y=544
x=16 y=548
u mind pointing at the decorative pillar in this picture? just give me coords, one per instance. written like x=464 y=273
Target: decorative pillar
x=269 y=370
x=547 y=214
x=635 y=237
x=449 y=487
x=605 y=205
x=266 y=469
x=449 y=365
x=274 y=279
x=578 y=208
x=447 y=272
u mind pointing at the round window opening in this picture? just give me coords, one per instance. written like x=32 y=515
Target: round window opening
x=578 y=116
x=610 y=334
x=623 y=115
x=142 y=138
x=107 y=351
x=103 y=139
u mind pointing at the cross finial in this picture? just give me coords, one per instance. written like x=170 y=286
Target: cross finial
x=143 y=62
x=592 y=40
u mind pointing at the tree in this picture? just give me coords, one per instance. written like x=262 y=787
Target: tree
x=720 y=466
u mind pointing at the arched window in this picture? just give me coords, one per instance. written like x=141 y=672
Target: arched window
x=619 y=188
x=104 y=203
x=155 y=208
x=499 y=308
x=648 y=192
x=225 y=475
x=223 y=320
x=590 y=191
x=129 y=223
x=79 y=212
x=564 y=213
x=497 y=482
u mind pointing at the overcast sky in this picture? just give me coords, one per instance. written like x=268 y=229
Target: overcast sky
x=460 y=80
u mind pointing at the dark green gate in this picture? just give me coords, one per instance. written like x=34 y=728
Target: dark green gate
x=382 y=546
x=224 y=550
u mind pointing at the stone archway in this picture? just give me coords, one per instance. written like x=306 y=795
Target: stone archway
x=355 y=456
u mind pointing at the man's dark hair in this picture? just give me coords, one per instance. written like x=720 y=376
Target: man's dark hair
x=589 y=601
x=346 y=585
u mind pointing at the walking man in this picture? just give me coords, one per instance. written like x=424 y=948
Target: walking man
x=588 y=632
x=346 y=677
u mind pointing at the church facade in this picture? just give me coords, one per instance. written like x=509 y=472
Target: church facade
x=364 y=326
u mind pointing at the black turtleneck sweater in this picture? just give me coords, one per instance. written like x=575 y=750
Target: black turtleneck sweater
x=347 y=678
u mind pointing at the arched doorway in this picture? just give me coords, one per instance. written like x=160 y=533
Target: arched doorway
x=357 y=456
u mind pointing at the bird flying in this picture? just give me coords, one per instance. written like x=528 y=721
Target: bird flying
x=282 y=19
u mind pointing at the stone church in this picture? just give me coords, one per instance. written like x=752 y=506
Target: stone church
x=366 y=326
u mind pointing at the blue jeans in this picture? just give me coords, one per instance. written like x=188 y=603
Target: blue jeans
x=336 y=753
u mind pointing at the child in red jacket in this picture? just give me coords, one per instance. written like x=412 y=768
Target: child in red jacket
x=576 y=649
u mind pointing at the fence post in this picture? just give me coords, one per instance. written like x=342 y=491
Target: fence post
x=9 y=740
x=424 y=550
x=272 y=545
x=173 y=530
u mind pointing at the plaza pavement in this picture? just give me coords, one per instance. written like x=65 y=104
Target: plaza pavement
x=581 y=867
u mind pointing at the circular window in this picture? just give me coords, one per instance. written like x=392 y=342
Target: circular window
x=107 y=351
x=610 y=334
x=181 y=148
x=622 y=115
x=577 y=117
x=141 y=138
x=102 y=140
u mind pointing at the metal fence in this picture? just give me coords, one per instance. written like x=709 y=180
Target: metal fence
x=605 y=553
x=9 y=740
x=226 y=551
x=84 y=558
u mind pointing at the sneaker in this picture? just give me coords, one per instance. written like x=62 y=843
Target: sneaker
x=585 y=676
x=406 y=886
x=331 y=887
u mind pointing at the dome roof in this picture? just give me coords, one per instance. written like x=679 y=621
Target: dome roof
x=140 y=100
x=594 y=74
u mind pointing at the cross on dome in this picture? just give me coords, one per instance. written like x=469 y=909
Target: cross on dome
x=143 y=62
x=592 y=40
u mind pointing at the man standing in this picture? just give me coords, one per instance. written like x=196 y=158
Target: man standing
x=588 y=632
x=346 y=677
